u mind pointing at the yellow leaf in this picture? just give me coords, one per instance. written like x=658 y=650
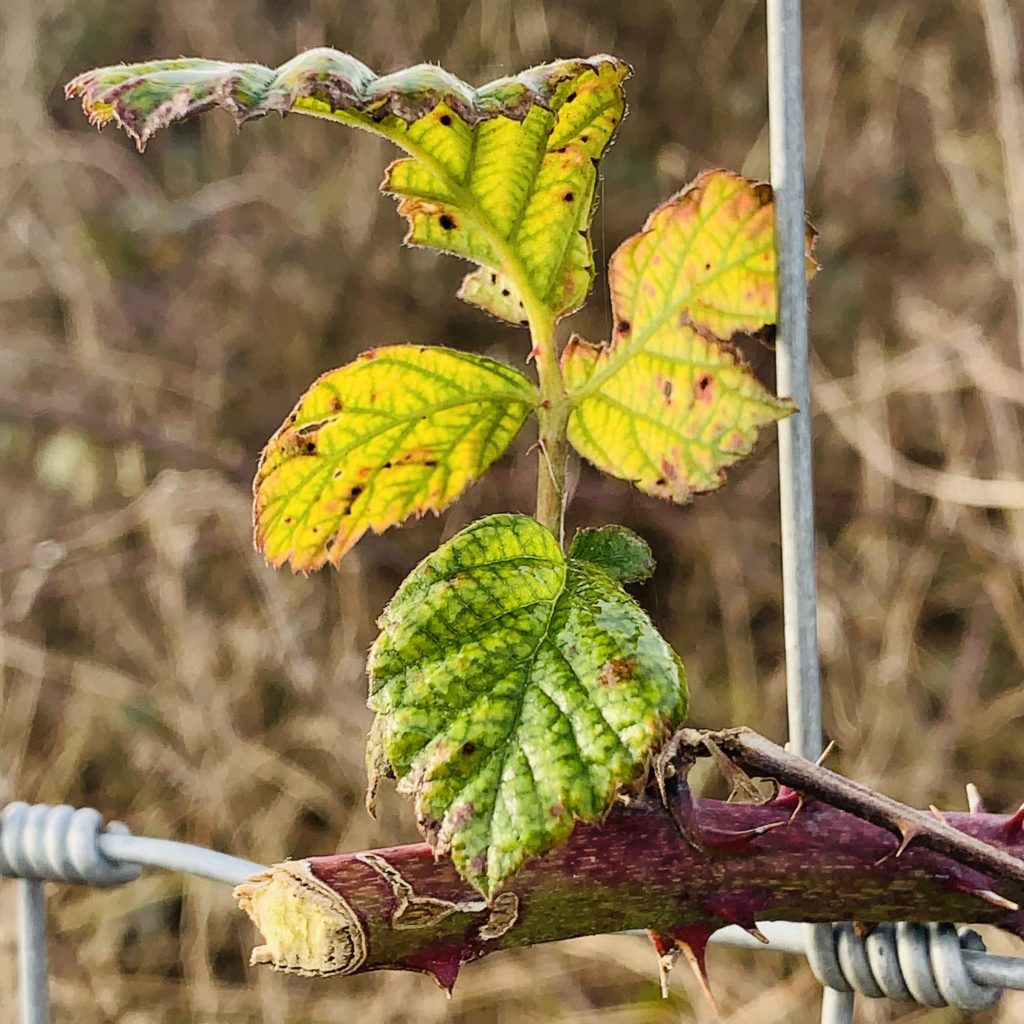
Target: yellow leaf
x=399 y=432
x=503 y=175
x=668 y=404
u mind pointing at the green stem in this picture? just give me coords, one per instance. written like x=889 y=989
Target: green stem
x=553 y=418
x=555 y=405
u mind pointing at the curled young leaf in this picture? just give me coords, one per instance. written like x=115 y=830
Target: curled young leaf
x=516 y=690
x=668 y=404
x=502 y=175
x=399 y=432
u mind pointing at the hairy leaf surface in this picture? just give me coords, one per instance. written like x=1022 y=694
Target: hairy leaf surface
x=668 y=404
x=515 y=691
x=503 y=175
x=399 y=432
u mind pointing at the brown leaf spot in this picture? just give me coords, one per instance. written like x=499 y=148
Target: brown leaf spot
x=570 y=97
x=311 y=447
x=616 y=670
x=568 y=197
x=556 y=810
x=666 y=389
x=447 y=222
x=445 y=120
x=478 y=864
x=623 y=327
x=703 y=388
x=335 y=404
x=355 y=492
x=468 y=748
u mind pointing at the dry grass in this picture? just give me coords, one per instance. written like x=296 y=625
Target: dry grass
x=160 y=315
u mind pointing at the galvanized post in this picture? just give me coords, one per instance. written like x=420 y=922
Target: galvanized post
x=786 y=125
x=33 y=965
x=785 y=105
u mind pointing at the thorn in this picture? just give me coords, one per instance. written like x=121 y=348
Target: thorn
x=668 y=954
x=996 y=900
x=1013 y=827
x=937 y=814
x=692 y=941
x=786 y=796
x=534 y=353
x=907 y=836
x=974 y=802
x=723 y=839
x=739 y=908
x=800 y=805
x=443 y=965
x=665 y=965
x=825 y=754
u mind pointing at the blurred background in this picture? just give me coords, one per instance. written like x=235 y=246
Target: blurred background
x=159 y=316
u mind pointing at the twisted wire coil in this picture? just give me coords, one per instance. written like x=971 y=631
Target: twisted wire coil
x=60 y=844
x=921 y=963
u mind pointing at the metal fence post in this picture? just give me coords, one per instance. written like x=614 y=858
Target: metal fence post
x=786 y=128
x=33 y=961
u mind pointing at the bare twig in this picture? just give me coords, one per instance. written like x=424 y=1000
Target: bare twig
x=757 y=755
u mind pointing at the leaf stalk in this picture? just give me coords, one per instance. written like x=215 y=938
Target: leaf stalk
x=553 y=418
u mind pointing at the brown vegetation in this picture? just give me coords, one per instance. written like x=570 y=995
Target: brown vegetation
x=159 y=316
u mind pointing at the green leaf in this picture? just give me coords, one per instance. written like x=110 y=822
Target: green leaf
x=668 y=404
x=503 y=175
x=619 y=551
x=515 y=691
x=399 y=432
